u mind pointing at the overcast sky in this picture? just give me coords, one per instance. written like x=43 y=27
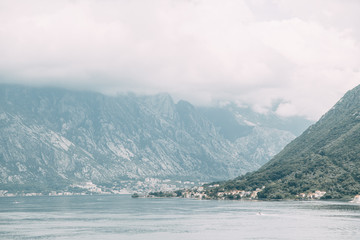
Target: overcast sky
x=303 y=54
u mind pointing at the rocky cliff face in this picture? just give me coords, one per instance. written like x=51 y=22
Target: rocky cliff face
x=53 y=137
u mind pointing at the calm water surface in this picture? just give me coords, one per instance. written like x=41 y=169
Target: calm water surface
x=121 y=217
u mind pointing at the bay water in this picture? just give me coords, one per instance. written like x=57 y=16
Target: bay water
x=121 y=217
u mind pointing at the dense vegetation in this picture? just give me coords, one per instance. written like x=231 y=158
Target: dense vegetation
x=325 y=157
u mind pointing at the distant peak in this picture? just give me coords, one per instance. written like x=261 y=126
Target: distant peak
x=164 y=97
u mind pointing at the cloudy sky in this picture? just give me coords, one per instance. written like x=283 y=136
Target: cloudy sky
x=303 y=54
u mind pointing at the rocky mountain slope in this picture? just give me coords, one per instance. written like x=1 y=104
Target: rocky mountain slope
x=325 y=158
x=51 y=138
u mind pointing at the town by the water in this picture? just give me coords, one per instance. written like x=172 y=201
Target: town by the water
x=154 y=188
x=210 y=192
x=121 y=187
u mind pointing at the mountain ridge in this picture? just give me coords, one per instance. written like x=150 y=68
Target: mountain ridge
x=61 y=136
x=326 y=157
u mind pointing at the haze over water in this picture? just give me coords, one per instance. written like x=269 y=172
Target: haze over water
x=120 y=217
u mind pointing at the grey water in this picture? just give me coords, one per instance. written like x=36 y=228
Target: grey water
x=121 y=217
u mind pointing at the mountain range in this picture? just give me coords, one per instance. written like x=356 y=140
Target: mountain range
x=51 y=138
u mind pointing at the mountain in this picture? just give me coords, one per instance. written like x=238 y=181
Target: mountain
x=52 y=138
x=325 y=158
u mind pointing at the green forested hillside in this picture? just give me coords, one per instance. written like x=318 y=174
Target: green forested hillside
x=325 y=157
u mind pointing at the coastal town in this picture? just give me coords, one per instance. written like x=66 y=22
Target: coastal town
x=153 y=187
x=212 y=192
x=202 y=193
x=142 y=186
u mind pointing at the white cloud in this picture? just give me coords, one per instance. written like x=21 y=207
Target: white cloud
x=250 y=51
